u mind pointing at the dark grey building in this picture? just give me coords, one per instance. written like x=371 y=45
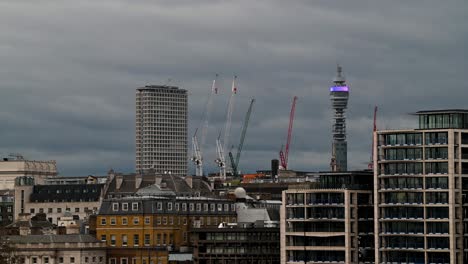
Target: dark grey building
x=161 y=129
x=6 y=207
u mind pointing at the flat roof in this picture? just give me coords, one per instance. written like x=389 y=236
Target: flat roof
x=442 y=111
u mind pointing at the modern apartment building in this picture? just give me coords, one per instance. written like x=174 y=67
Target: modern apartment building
x=420 y=188
x=161 y=129
x=330 y=222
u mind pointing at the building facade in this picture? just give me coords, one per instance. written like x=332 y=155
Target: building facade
x=154 y=229
x=329 y=223
x=6 y=207
x=56 y=249
x=421 y=183
x=12 y=168
x=161 y=129
x=56 y=200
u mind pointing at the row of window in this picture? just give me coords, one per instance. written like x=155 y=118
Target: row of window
x=46 y=260
x=415 y=183
x=7 y=209
x=59 y=210
x=168 y=220
x=144 y=260
x=416 y=198
x=414 y=168
x=169 y=206
x=160 y=239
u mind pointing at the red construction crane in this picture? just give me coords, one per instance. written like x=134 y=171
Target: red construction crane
x=371 y=163
x=284 y=155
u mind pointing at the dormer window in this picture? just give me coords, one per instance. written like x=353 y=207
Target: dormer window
x=115 y=207
x=134 y=206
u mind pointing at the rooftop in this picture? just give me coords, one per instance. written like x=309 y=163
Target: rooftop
x=35 y=239
x=442 y=111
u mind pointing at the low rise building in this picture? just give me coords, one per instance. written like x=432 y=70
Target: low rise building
x=55 y=249
x=154 y=225
x=254 y=238
x=56 y=200
x=17 y=167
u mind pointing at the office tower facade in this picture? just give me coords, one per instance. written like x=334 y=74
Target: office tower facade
x=339 y=94
x=330 y=222
x=421 y=183
x=161 y=130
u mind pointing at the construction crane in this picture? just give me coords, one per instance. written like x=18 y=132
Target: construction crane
x=284 y=155
x=222 y=146
x=197 y=156
x=371 y=162
x=235 y=163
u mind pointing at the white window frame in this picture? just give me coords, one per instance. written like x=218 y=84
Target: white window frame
x=115 y=207
x=220 y=207
x=136 y=220
x=191 y=207
x=134 y=206
x=205 y=207
x=124 y=221
x=213 y=207
x=177 y=207
x=198 y=207
x=103 y=221
x=159 y=206
x=124 y=206
x=169 y=206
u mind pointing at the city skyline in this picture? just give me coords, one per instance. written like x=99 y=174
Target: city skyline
x=68 y=83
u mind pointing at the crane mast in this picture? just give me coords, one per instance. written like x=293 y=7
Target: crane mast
x=197 y=156
x=222 y=146
x=284 y=155
x=235 y=163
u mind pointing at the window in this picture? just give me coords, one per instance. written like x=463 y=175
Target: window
x=185 y=236
x=94 y=259
x=112 y=261
x=124 y=206
x=169 y=206
x=103 y=221
x=59 y=210
x=136 y=220
x=159 y=206
x=208 y=222
x=220 y=207
x=205 y=207
x=213 y=207
x=124 y=240
x=147 y=239
x=185 y=221
x=226 y=207
x=115 y=207
x=233 y=207
x=112 y=240
x=184 y=207
x=177 y=207
x=136 y=240
x=124 y=261
x=32 y=211
x=112 y=221
x=101 y=259
x=46 y=260
x=103 y=238
x=134 y=206
x=198 y=207
x=41 y=210
x=171 y=220
x=191 y=207
x=158 y=239
x=77 y=210
x=86 y=259
x=124 y=221
x=201 y=221
x=49 y=210
x=164 y=220
x=60 y=259
x=147 y=220
x=72 y=260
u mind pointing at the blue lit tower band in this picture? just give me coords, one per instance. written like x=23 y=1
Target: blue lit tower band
x=339 y=94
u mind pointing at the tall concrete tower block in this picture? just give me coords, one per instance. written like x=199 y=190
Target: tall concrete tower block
x=339 y=94
x=161 y=130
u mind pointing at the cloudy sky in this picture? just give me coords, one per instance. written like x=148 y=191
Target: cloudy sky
x=69 y=69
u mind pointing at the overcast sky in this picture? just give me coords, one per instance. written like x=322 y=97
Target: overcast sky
x=69 y=69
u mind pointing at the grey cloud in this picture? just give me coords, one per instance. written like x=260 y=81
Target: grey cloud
x=69 y=70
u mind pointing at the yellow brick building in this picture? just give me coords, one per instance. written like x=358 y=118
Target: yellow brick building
x=153 y=229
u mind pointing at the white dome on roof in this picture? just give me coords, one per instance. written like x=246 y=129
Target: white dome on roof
x=240 y=193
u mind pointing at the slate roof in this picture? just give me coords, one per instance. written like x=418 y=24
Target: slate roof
x=66 y=192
